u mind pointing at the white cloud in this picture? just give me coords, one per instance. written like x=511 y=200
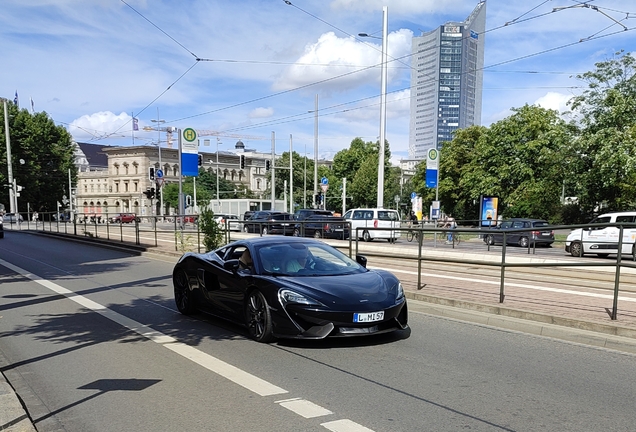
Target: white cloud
x=100 y=125
x=354 y=62
x=261 y=112
x=554 y=101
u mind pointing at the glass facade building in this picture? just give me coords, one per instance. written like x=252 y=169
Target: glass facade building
x=446 y=81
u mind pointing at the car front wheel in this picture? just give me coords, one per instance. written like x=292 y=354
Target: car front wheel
x=296 y=232
x=182 y=293
x=246 y=229
x=576 y=249
x=258 y=318
x=490 y=240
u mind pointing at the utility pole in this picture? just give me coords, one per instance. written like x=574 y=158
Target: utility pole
x=12 y=197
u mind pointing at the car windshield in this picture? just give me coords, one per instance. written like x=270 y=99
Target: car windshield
x=305 y=259
x=540 y=223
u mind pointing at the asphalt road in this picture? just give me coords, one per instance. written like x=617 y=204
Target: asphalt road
x=91 y=340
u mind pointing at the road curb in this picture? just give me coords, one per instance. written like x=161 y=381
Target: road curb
x=13 y=415
x=584 y=332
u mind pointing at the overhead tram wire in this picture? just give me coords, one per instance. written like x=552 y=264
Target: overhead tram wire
x=516 y=21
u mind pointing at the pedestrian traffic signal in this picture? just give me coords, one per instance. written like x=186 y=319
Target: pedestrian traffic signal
x=267 y=165
x=242 y=161
x=151 y=173
x=200 y=159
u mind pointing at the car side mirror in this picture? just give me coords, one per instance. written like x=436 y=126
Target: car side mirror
x=231 y=265
x=362 y=260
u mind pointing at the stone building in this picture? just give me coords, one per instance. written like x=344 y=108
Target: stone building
x=113 y=179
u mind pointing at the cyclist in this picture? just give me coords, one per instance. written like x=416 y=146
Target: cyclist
x=450 y=224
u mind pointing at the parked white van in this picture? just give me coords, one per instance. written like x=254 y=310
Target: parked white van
x=373 y=218
x=601 y=240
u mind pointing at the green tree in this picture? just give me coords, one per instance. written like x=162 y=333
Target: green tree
x=301 y=176
x=359 y=165
x=42 y=154
x=605 y=166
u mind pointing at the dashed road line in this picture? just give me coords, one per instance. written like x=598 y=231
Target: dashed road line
x=246 y=380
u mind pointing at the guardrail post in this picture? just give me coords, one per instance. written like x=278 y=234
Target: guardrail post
x=503 y=270
x=617 y=275
x=420 y=239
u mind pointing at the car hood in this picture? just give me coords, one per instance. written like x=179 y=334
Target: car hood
x=370 y=290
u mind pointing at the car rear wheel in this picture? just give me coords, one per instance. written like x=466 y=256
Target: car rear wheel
x=265 y=231
x=317 y=234
x=490 y=240
x=366 y=236
x=246 y=229
x=576 y=249
x=296 y=232
x=524 y=242
x=258 y=318
x=182 y=293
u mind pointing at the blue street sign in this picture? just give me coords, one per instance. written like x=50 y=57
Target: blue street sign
x=324 y=181
x=413 y=195
x=159 y=173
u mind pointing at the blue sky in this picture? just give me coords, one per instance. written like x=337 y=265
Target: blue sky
x=92 y=64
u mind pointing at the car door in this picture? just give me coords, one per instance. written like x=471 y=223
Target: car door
x=629 y=232
x=513 y=237
x=498 y=235
x=600 y=237
x=225 y=289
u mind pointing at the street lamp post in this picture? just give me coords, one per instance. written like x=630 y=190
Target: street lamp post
x=380 y=201
x=159 y=184
x=316 y=151
x=218 y=199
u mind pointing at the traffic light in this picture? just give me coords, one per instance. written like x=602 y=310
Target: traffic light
x=152 y=193
x=242 y=161
x=200 y=159
x=267 y=165
x=151 y=173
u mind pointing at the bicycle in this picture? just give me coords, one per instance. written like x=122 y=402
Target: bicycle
x=411 y=234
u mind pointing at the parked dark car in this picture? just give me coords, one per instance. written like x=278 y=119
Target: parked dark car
x=269 y=222
x=537 y=234
x=1 y=229
x=287 y=287
x=322 y=226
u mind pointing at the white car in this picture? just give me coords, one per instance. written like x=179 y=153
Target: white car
x=373 y=218
x=228 y=221
x=603 y=240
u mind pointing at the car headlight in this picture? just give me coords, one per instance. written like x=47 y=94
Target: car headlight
x=291 y=297
x=400 y=293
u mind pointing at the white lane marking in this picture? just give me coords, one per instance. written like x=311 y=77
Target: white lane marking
x=345 y=426
x=226 y=370
x=304 y=408
x=538 y=288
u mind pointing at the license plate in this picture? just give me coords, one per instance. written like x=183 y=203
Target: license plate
x=368 y=317
x=545 y=233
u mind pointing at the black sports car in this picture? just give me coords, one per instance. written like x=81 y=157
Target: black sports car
x=282 y=287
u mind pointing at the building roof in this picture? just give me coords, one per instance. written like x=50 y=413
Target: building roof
x=94 y=155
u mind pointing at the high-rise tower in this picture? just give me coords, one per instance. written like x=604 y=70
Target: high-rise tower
x=446 y=82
